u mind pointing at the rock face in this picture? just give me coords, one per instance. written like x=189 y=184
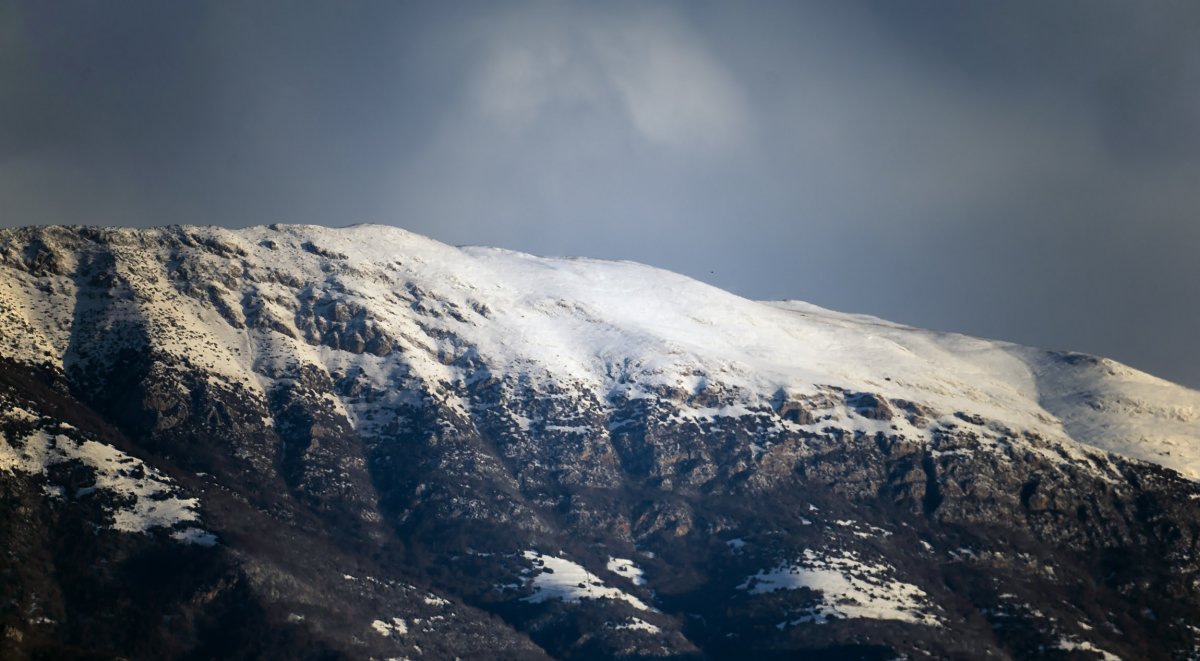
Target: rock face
x=296 y=442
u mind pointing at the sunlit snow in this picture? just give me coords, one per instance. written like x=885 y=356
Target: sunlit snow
x=396 y=627
x=635 y=624
x=558 y=578
x=612 y=329
x=628 y=569
x=849 y=588
x=1070 y=644
x=146 y=498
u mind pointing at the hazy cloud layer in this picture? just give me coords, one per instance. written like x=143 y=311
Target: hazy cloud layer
x=1022 y=170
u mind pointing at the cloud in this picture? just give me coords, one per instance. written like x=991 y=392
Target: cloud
x=674 y=91
x=519 y=82
x=647 y=69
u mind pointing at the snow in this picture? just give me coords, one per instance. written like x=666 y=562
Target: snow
x=1070 y=644
x=396 y=627
x=147 y=499
x=1122 y=410
x=558 y=578
x=434 y=600
x=195 y=536
x=628 y=569
x=610 y=329
x=849 y=588
x=635 y=624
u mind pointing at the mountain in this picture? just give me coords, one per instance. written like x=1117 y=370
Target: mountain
x=302 y=442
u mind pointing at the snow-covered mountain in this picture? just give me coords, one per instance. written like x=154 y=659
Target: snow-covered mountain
x=355 y=431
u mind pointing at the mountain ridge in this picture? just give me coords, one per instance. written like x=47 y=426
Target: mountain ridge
x=667 y=332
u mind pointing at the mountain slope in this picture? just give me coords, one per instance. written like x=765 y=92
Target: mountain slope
x=613 y=328
x=363 y=429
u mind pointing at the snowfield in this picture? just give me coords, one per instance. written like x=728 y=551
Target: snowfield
x=628 y=569
x=849 y=588
x=612 y=329
x=558 y=578
x=146 y=499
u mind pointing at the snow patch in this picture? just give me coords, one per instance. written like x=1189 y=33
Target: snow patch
x=196 y=536
x=144 y=498
x=558 y=578
x=628 y=569
x=849 y=588
x=1071 y=644
x=396 y=627
x=636 y=624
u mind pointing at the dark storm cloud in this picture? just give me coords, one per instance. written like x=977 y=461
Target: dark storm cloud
x=1028 y=171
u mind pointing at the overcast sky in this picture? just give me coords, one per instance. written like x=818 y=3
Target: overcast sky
x=1027 y=171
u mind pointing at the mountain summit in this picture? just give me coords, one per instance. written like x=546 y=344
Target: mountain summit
x=295 y=441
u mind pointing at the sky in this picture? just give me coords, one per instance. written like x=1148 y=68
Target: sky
x=1026 y=170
